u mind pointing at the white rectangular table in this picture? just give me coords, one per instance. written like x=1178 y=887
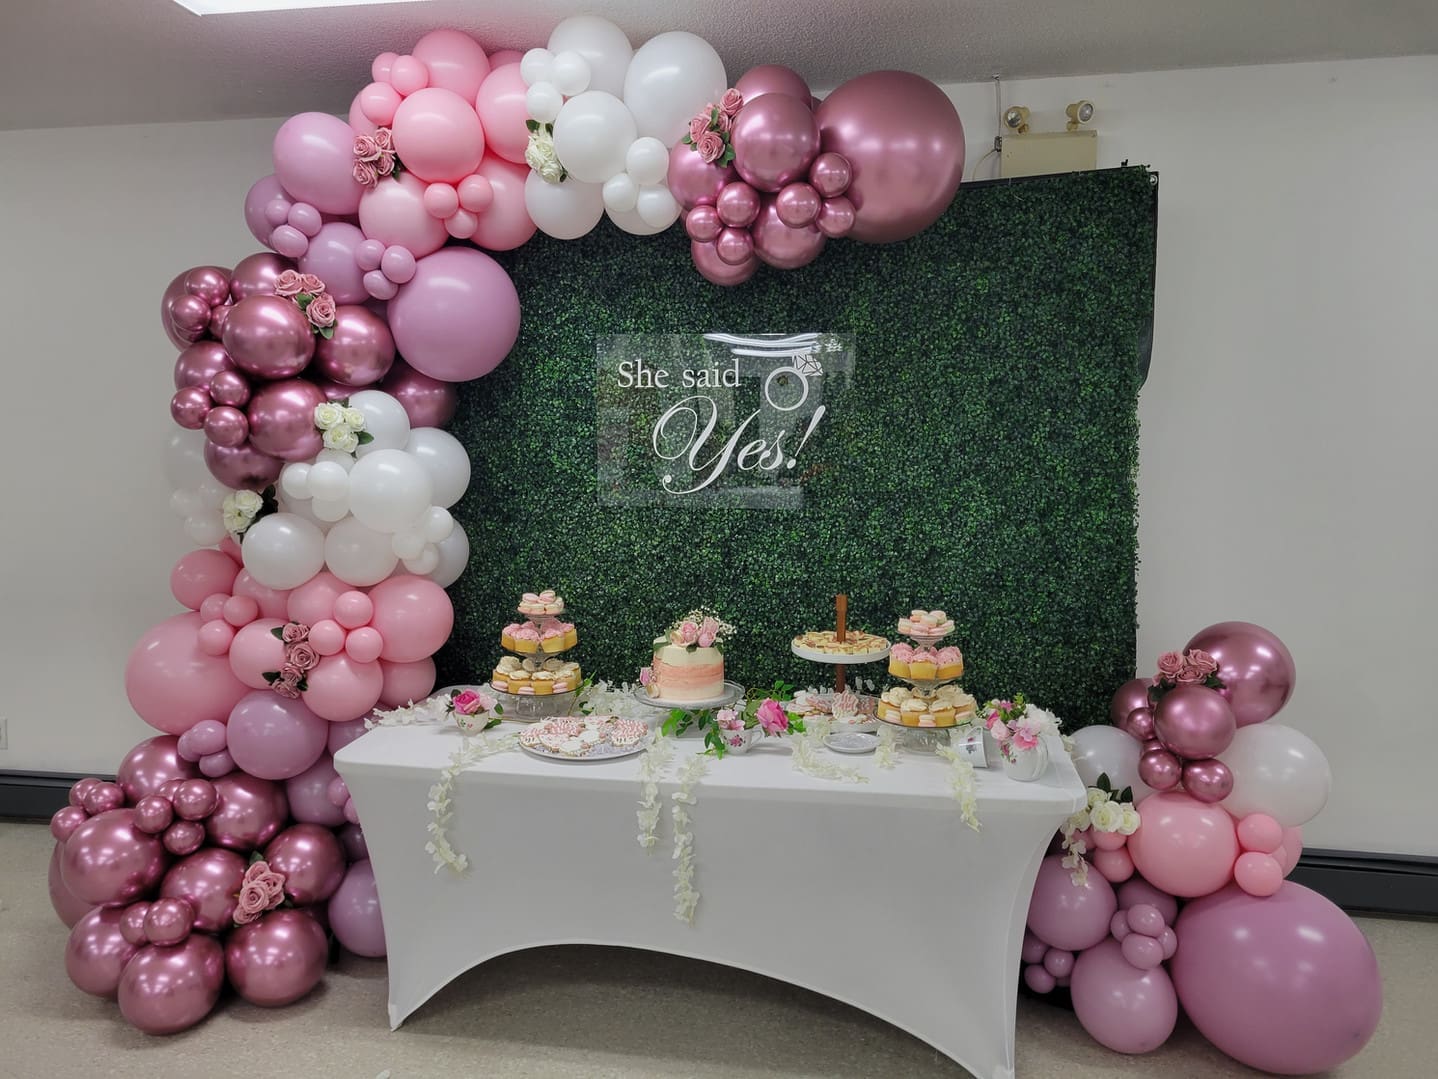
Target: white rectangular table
x=875 y=894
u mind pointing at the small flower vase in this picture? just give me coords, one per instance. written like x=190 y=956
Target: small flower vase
x=1028 y=765
x=746 y=739
x=993 y=752
x=471 y=725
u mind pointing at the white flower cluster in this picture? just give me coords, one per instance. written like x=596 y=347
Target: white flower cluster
x=886 y=756
x=541 y=157
x=809 y=762
x=239 y=509
x=341 y=426
x=1106 y=814
x=441 y=800
x=686 y=897
x=963 y=783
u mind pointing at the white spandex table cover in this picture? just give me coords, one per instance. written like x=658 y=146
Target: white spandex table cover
x=876 y=894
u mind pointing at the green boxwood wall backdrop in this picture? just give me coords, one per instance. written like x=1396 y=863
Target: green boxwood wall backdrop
x=983 y=461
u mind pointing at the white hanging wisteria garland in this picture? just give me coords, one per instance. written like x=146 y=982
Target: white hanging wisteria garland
x=651 y=770
x=686 y=897
x=886 y=755
x=441 y=799
x=806 y=759
x=963 y=783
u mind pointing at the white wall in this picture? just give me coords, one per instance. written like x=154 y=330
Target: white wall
x=1285 y=453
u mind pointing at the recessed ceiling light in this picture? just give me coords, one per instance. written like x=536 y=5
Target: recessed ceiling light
x=240 y=7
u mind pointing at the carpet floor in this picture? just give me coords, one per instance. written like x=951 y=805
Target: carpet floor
x=628 y=1014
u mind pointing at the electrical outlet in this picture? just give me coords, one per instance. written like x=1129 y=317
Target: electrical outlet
x=4 y=733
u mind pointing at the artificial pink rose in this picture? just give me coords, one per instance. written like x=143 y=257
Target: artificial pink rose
x=731 y=102
x=706 y=640
x=286 y=687
x=1169 y=666
x=646 y=675
x=321 y=311
x=302 y=657
x=1001 y=732
x=385 y=165
x=365 y=148
x=710 y=147
x=253 y=901
x=289 y=672
x=724 y=124
x=383 y=138
x=1201 y=661
x=1026 y=733
x=311 y=283
x=772 y=717
x=270 y=881
x=728 y=720
x=471 y=703
x=294 y=632
x=1191 y=676
x=287 y=283
x=709 y=625
x=365 y=173
x=698 y=126
x=688 y=633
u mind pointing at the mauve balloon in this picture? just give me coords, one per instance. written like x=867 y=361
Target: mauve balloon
x=108 y=861
x=352 y=839
x=165 y=990
x=278 y=959
x=229 y=387
x=307 y=792
x=1132 y=694
x=331 y=257
x=250 y=813
x=201 y=362
x=773 y=79
x=282 y=419
x=780 y=246
x=1122 y=1007
x=716 y=270
x=154 y=814
x=168 y=921
x=360 y=353
x=905 y=143
x=1194 y=722
x=242 y=467
x=226 y=426
x=255 y=275
x=150 y=764
x=1256 y=668
x=70 y=910
x=132 y=924
x=96 y=952
x=178 y=305
x=1160 y=769
x=735 y=247
x=692 y=181
x=65 y=820
x=209 y=880
x=261 y=193
x=269 y=336
x=311 y=859
x=195 y=799
x=775 y=137
x=354 y=912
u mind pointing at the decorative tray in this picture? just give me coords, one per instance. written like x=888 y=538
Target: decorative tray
x=584 y=738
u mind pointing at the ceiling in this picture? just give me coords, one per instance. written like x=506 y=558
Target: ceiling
x=74 y=62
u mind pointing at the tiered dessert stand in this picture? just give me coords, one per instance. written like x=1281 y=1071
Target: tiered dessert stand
x=840 y=661
x=927 y=739
x=527 y=707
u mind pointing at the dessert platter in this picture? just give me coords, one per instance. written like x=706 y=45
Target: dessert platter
x=686 y=670
x=845 y=711
x=932 y=703
x=584 y=738
x=532 y=682
x=843 y=647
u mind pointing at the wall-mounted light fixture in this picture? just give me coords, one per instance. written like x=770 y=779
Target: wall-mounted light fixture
x=1023 y=152
x=1016 y=119
x=1079 y=113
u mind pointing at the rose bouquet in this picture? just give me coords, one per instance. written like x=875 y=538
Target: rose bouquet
x=1016 y=727
x=1194 y=667
x=473 y=710
x=709 y=130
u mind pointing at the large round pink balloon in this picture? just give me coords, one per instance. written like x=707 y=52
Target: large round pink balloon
x=269 y=337
x=405 y=683
x=393 y=212
x=278 y=959
x=1285 y=984
x=312 y=861
x=501 y=108
x=68 y=908
x=1067 y=915
x=96 y=952
x=427 y=402
x=360 y=353
x=282 y=419
x=773 y=79
x=250 y=813
x=454 y=61
x=275 y=737
x=437 y=135
x=459 y=316
x=107 y=861
x=354 y=912
x=165 y=990
x=1184 y=846
x=150 y=765
x=413 y=614
x=314 y=161
x=775 y=137
x=172 y=684
x=331 y=257
x=1255 y=667
x=209 y=880
x=308 y=793
x=905 y=143
x=694 y=182
x=342 y=689
x=1123 y=1008
x=506 y=224
x=242 y=467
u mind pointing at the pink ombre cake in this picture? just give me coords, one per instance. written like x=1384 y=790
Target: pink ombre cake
x=688 y=662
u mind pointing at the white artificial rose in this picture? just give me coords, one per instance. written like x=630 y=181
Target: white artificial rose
x=247 y=502
x=1130 y=820
x=541 y=157
x=341 y=438
x=1096 y=797
x=235 y=522
x=328 y=416
x=1080 y=820
x=354 y=419
x=1107 y=816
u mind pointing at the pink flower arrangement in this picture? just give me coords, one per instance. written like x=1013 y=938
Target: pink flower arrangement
x=375 y=157
x=261 y=890
x=471 y=702
x=1194 y=667
x=711 y=146
x=646 y=675
x=772 y=717
x=321 y=311
x=699 y=629
x=300 y=658
x=308 y=291
x=294 y=632
x=365 y=148
x=1013 y=727
x=709 y=130
x=464 y=704
x=287 y=284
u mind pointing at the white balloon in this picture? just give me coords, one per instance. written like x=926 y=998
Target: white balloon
x=283 y=550
x=345 y=460
x=537 y=65
x=453 y=558
x=603 y=46
x=358 y=555
x=1102 y=750
x=569 y=73
x=438 y=524
x=647 y=160
x=543 y=101
x=446 y=461
x=184 y=460
x=565 y=211
x=656 y=207
x=426 y=563
x=632 y=223
x=212 y=493
x=185 y=504
x=620 y=193
x=407 y=544
x=591 y=135
x=384 y=419
x=389 y=490
x=295 y=480
x=331 y=509
x=1276 y=770
x=671 y=77
x=206 y=529
x=303 y=507
x=327 y=481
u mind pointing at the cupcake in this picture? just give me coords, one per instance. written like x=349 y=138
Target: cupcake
x=910 y=713
x=499 y=680
x=923 y=666
x=542 y=683
x=554 y=666
x=965 y=707
x=506 y=636
x=951 y=663
x=526 y=640
x=518 y=681
x=899 y=657
x=571 y=635
x=943 y=715
x=552 y=640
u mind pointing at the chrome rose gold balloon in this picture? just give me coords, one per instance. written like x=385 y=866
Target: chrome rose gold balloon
x=250 y=813
x=65 y=821
x=692 y=181
x=67 y=908
x=108 y=861
x=798 y=205
x=716 y=270
x=311 y=859
x=242 y=467
x=1160 y=769
x=97 y=952
x=168 y=921
x=773 y=79
x=831 y=174
x=201 y=362
x=1194 y=722
x=427 y=401
x=132 y=924
x=209 y=881
x=255 y=275
x=278 y=959
x=1256 y=668
x=183 y=837
x=195 y=799
x=165 y=990
x=150 y=765
x=229 y=387
x=775 y=138
x=190 y=406
x=738 y=205
x=360 y=353
x=103 y=797
x=269 y=337
x=282 y=419
x=777 y=245
x=1207 y=780
x=226 y=426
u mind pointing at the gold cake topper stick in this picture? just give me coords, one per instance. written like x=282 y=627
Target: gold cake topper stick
x=841 y=615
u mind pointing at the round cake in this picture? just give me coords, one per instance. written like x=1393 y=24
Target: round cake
x=688 y=661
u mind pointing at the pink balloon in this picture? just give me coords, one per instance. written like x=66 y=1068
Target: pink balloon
x=1260 y=832
x=378 y=102
x=172 y=684
x=218 y=764
x=1258 y=874
x=308 y=793
x=1184 y=846
x=66 y=820
x=715 y=270
x=194 y=799
x=132 y=924
x=103 y=797
x=454 y=60
x=229 y=387
x=738 y=205
x=342 y=734
x=379 y=286
x=1194 y=722
x=1256 y=668
x=250 y=814
x=331 y=257
x=108 y=861
x=358 y=121
x=153 y=814
x=282 y=419
x=1208 y=780
x=437 y=135
x=209 y=881
x=778 y=245
x=242 y=467
x=1285 y=984
x=289 y=241
x=168 y=921
x=836 y=218
x=461 y=224
x=505 y=223
x=312 y=861
x=831 y=175
x=773 y=79
x=184 y=837
x=393 y=212
x=67 y=908
x=798 y=204
x=190 y=406
x=353 y=609
x=903 y=139
x=262 y=192
x=440 y=200
x=1123 y=1008
x=501 y=108
x=397 y=263
x=314 y=162
x=278 y=959
x=226 y=426
x=703 y=225
x=1115 y=865
x=197 y=364
x=1160 y=769
x=272 y=601
x=503 y=58
x=735 y=247
x=341 y=689
x=254 y=651
x=165 y=990
x=775 y=137
x=405 y=682
x=1039 y=980
x=1067 y=915
x=275 y=737
x=314 y=601
x=458 y=318
x=360 y=353
x=96 y=952
x=354 y=912
x=256 y=274
x=353 y=840
x=364 y=645
x=1291 y=851
x=240 y=611
x=1137 y=891
x=1058 y=962
x=1033 y=949
x=1143 y=952
x=408 y=75
x=269 y=337
x=427 y=402
x=692 y=181
x=413 y=614
x=327 y=637
x=1139 y=724
x=199 y=574
x=1109 y=840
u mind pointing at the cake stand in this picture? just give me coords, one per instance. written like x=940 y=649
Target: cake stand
x=840 y=661
x=928 y=739
x=733 y=691
x=530 y=707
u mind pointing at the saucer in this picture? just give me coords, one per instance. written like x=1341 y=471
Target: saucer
x=852 y=742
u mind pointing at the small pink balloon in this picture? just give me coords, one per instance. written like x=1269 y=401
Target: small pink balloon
x=353 y=609
x=184 y=837
x=289 y=241
x=461 y=224
x=1118 y=926
x=715 y=270
x=1168 y=941
x=831 y=174
x=476 y=194
x=441 y=200
x=241 y=611
x=364 y=645
x=368 y=254
x=798 y=205
x=215 y=640
x=200 y=363
x=153 y=814
x=195 y=799
x=1258 y=874
x=201 y=739
x=738 y=205
x=1058 y=962
x=168 y=921
x=327 y=637
x=379 y=286
x=408 y=75
x=66 y=820
x=1139 y=723
x=1142 y=952
x=378 y=102
x=1208 y=780
x=229 y=388
x=82 y=787
x=1116 y=866
x=226 y=426
x=190 y=314
x=1160 y=769
x=190 y=406
x=1033 y=949
x=398 y=263
x=703 y=224
x=1038 y=979
x=427 y=402
x=381 y=66
x=1260 y=832
x=132 y=923
x=836 y=217
x=1109 y=840
x=735 y=246
x=212 y=607
x=277 y=212
x=1145 y=918
x=214 y=765
x=306 y=219
x=339 y=792
x=103 y=797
